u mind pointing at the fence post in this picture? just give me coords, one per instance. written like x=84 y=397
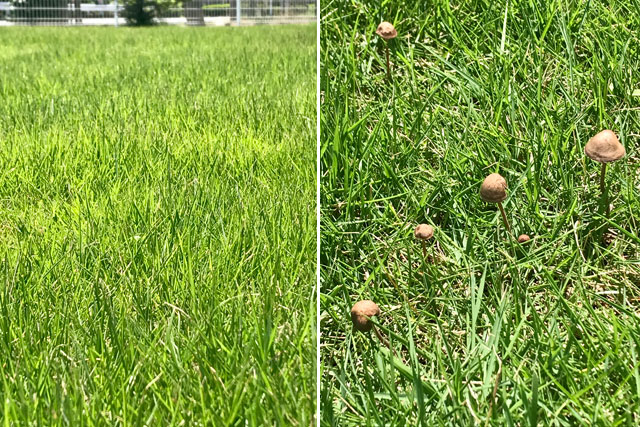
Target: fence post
x=238 y=11
x=115 y=14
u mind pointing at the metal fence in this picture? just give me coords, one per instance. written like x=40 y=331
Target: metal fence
x=187 y=12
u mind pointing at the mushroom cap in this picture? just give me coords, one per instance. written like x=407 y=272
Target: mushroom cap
x=493 y=188
x=523 y=238
x=361 y=312
x=423 y=231
x=386 y=30
x=604 y=147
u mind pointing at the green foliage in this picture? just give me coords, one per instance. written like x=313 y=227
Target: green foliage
x=141 y=12
x=157 y=226
x=479 y=87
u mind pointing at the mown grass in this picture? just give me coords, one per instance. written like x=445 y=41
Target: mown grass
x=489 y=332
x=157 y=226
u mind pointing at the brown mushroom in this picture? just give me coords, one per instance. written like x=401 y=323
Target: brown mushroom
x=494 y=190
x=361 y=314
x=423 y=232
x=523 y=238
x=604 y=147
x=387 y=31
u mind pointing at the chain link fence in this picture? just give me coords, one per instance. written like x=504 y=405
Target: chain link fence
x=189 y=12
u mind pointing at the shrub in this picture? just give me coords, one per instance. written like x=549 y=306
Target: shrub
x=141 y=12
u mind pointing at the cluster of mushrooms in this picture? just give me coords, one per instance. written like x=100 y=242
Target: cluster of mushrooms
x=603 y=147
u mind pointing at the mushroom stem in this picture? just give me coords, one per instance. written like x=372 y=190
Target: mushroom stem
x=504 y=217
x=424 y=249
x=603 y=171
x=381 y=338
x=388 y=63
x=404 y=296
x=603 y=190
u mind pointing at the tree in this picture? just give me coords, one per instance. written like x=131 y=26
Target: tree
x=141 y=12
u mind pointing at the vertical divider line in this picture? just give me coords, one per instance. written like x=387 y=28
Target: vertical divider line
x=318 y=212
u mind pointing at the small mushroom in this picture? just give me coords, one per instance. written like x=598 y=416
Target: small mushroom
x=523 y=238
x=494 y=190
x=361 y=314
x=423 y=232
x=604 y=147
x=387 y=31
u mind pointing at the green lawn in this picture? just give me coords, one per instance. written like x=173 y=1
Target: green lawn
x=484 y=331
x=157 y=226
